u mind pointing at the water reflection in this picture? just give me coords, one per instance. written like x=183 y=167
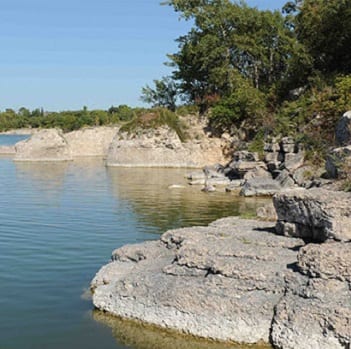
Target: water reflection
x=140 y=336
x=148 y=192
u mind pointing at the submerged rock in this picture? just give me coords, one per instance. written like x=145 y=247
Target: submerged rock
x=220 y=281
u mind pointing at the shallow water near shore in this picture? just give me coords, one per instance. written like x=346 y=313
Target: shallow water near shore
x=59 y=223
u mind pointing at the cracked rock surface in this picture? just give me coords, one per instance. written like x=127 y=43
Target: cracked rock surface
x=221 y=281
x=315 y=312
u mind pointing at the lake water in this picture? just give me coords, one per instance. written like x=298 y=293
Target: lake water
x=59 y=223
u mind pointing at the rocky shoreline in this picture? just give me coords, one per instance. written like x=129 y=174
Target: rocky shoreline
x=239 y=280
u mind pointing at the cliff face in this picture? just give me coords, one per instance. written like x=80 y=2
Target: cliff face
x=162 y=147
x=92 y=141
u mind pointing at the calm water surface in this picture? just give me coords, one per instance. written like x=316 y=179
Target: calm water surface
x=59 y=224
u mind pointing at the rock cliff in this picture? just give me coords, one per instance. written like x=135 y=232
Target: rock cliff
x=162 y=147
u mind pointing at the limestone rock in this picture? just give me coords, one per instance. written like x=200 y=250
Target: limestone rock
x=220 y=281
x=44 y=145
x=315 y=214
x=293 y=161
x=7 y=150
x=91 y=141
x=162 y=148
x=260 y=186
x=337 y=158
x=315 y=312
x=343 y=130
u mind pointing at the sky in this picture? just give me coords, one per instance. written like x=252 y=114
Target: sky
x=66 y=54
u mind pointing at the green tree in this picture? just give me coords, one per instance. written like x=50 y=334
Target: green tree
x=324 y=27
x=230 y=41
x=163 y=95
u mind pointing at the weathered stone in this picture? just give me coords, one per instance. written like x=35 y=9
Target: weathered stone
x=257 y=172
x=260 y=187
x=285 y=180
x=246 y=156
x=315 y=214
x=220 y=281
x=287 y=145
x=91 y=141
x=271 y=147
x=304 y=174
x=162 y=148
x=336 y=160
x=45 y=145
x=315 y=312
x=7 y=150
x=326 y=261
x=240 y=168
x=272 y=157
x=343 y=130
x=293 y=161
x=234 y=185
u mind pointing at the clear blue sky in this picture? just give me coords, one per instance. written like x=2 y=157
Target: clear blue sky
x=64 y=54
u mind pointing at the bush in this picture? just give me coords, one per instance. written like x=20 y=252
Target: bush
x=155 y=118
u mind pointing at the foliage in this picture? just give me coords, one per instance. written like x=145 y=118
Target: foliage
x=163 y=95
x=324 y=28
x=155 y=118
x=245 y=104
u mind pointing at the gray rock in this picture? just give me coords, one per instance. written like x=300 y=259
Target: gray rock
x=257 y=172
x=287 y=145
x=293 y=161
x=315 y=214
x=244 y=155
x=336 y=160
x=220 y=281
x=234 y=185
x=285 y=180
x=260 y=186
x=343 y=131
x=315 y=312
x=44 y=145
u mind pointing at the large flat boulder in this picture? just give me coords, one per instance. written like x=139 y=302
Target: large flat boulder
x=91 y=141
x=220 y=281
x=315 y=312
x=162 y=147
x=44 y=145
x=315 y=214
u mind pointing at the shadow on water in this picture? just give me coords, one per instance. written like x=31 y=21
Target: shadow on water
x=141 y=336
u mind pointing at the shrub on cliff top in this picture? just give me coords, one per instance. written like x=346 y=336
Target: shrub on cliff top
x=155 y=118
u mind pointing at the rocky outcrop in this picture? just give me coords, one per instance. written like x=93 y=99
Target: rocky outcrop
x=44 y=145
x=343 y=130
x=90 y=141
x=315 y=312
x=338 y=162
x=237 y=280
x=7 y=150
x=162 y=147
x=220 y=281
x=315 y=214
